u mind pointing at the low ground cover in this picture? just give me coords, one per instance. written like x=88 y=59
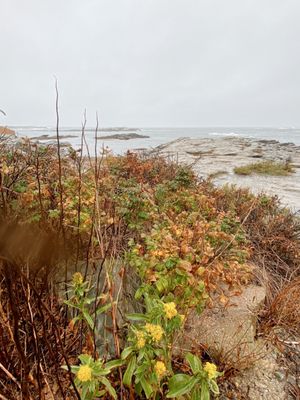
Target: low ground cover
x=106 y=257
x=268 y=167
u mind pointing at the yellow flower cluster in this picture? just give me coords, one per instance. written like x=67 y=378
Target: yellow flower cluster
x=160 y=369
x=77 y=279
x=211 y=370
x=155 y=331
x=141 y=341
x=170 y=310
x=84 y=373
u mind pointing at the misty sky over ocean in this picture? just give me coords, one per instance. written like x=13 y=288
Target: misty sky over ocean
x=151 y=62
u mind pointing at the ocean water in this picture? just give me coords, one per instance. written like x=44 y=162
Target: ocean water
x=158 y=136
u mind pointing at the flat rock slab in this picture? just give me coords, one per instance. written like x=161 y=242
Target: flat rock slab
x=217 y=158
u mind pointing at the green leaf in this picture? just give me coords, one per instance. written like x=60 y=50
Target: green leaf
x=137 y=317
x=196 y=394
x=74 y=368
x=129 y=371
x=194 y=362
x=114 y=364
x=147 y=388
x=109 y=387
x=180 y=384
x=85 y=358
x=162 y=284
x=142 y=353
x=103 y=309
x=88 y=318
x=214 y=387
x=204 y=391
x=126 y=352
x=103 y=371
x=138 y=389
x=170 y=263
x=89 y=300
x=140 y=371
x=71 y=304
x=139 y=293
x=143 y=215
x=84 y=392
x=148 y=302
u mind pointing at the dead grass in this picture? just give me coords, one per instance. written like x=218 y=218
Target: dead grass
x=284 y=310
x=34 y=337
x=273 y=168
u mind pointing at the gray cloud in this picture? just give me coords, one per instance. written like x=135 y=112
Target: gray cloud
x=151 y=62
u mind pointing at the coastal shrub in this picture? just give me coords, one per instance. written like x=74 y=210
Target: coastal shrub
x=274 y=234
x=134 y=222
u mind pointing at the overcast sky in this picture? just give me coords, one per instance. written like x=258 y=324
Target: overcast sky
x=151 y=62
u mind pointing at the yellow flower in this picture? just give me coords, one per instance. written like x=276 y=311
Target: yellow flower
x=84 y=373
x=160 y=369
x=155 y=331
x=77 y=279
x=170 y=310
x=141 y=341
x=200 y=271
x=211 y=370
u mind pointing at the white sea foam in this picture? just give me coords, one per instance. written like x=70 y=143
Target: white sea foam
x=225 y=134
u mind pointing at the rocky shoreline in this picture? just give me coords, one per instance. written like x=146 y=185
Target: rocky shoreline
x=216 y=158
